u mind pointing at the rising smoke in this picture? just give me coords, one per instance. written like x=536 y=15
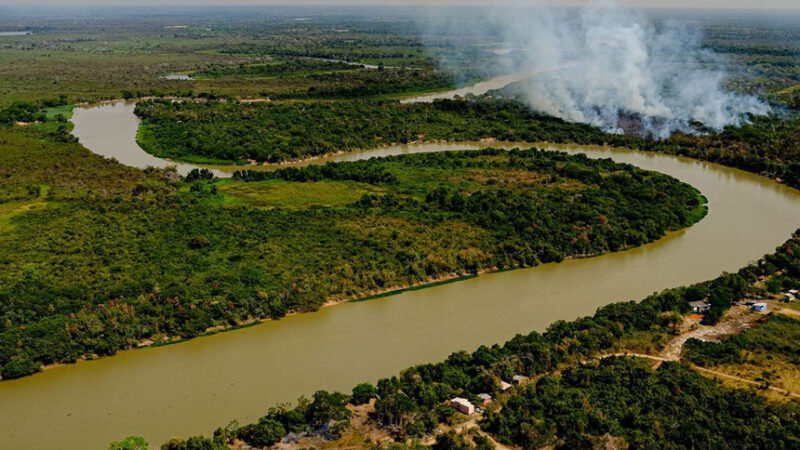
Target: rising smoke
x=607 y=66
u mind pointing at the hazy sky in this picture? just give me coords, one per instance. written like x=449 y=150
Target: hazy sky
x=783 y=4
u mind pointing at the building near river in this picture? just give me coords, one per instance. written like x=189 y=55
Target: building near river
x=699 y=307
x=462 y=405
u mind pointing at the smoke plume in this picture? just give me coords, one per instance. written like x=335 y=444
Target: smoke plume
x=609 y=66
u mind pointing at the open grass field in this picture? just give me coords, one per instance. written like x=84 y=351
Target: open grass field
x=235 y=56
x=767 y=353
x=290 y=195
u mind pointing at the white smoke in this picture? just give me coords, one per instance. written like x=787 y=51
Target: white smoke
x=603 y=64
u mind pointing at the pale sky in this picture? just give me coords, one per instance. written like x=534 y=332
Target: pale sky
x=728 y=4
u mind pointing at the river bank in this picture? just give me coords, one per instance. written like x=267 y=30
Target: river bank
x=235 y=374
x=699 y=213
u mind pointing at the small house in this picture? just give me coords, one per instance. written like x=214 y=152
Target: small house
x=699 y=307
x=760 y=307
x=794 y=292
x=519 y=379
x=485 y=399
x=504 y=386
x=789 y=298
x=462 y=405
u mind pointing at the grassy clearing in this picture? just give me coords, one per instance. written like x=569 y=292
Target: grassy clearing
x=65 y=111
x=284 y=194
x=53 y=123
x=767 y=353
x=700 y=211
x=775 y=370
x=646 y=342
x=10 y=210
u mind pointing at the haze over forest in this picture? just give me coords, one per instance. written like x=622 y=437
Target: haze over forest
x=732 y=4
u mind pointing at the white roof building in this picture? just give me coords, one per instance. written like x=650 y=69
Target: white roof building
x=519 y=379
x=462 y=405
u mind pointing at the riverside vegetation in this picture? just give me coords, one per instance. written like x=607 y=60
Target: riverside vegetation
x=281 y=131
x=98 y=257
x=573 y=405
x=571 y=401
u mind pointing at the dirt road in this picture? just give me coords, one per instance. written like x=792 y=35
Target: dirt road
x=738 y=319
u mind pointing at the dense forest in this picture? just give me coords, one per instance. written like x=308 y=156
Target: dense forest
x=673 y=407
x=768 y=145
x=279 y=131
x=99 y=257
x=574 y=402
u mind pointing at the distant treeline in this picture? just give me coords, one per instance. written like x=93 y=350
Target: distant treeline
x=270 y=68
x=372 y=83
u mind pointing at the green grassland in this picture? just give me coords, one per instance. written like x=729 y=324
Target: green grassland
x=290 y=195
x=236 y=59
x=768 y=353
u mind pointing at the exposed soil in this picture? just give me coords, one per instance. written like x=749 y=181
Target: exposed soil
x=737 y=320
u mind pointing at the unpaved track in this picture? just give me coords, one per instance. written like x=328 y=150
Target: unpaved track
x=737 y=320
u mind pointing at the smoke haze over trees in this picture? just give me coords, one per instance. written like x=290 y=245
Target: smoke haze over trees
x=606 y=65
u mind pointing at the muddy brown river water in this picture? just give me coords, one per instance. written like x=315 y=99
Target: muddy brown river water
x=196 y=386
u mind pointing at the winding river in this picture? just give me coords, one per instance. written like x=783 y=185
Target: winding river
x=193 y=387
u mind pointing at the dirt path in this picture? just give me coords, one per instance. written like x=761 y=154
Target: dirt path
x=744 y=380
x=738 y=319
x=660 y=360
x=472 y=422
x=789 y=312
